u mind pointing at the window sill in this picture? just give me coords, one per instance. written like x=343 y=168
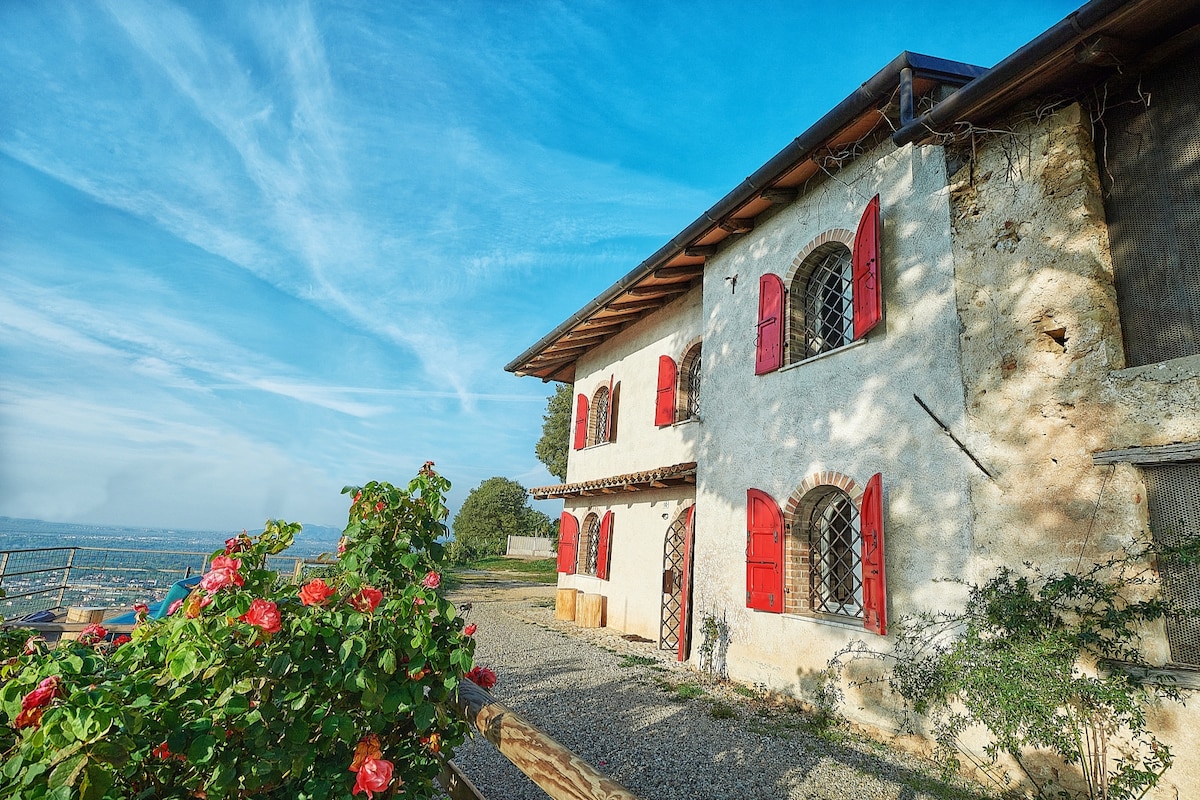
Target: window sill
x=1171 y=369
x=593 y=446
x=846 y=623
x=1182 y=676
x=687 y=421
x=842 y=349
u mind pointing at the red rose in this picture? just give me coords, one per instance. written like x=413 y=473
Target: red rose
x=34 y=644
x=122 y=639
x=316 y=593
x=470 y=629
x=93 y=633
x=432 y=580
x=380 y=506
x=29 y=719
x=373 y=776
x=341 y=545
x=46 y=691
x=262 y=614
x=237 y=544
x=366 y=600
x=482 y=676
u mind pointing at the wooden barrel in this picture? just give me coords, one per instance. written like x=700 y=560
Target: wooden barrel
x=564 y=604
x=592 y=611
x=85 y=614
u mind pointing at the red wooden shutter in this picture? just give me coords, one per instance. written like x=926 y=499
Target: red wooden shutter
x=768 y=347
x=664 y=406
x=568 y=543
x=581 y=421
x=874 y=585
x=868 y=289
x=614 y=403
x=608 y=421
x=764 y=552
x=605 y=546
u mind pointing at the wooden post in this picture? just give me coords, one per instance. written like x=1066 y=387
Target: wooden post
x=560 y=773
x=592 y=611
x=564 y=604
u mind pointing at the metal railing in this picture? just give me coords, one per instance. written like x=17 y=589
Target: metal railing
x=48 y=578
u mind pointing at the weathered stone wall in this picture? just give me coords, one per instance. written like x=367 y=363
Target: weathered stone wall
x=1042 y=367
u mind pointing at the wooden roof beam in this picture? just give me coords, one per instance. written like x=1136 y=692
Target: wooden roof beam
x=738 y=224
x=679 y=272
x=667 y=289
x=700 y=251
x=629 y=305
x=779 y=196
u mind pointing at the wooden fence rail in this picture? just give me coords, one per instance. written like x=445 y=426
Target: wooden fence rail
x=560 y=773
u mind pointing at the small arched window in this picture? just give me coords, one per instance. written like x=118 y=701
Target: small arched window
x=688 y=405
x=598 y=424
x=589 y=545
x=822 y=302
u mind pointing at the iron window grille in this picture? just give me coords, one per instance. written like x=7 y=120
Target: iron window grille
x=1173 y=497
x=823 y=302
x=599 y=431
x=836 y=550
x=692 y=408
x=589 y=550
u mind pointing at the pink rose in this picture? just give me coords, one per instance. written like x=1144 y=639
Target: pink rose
x=341 y=545
x=373 y=776
x=482 y=676
x=316 y=593
x=34 y=644
x=262 y=614
x=93 y=633
x=432 y=580
x=224 y=572
x=366 y=600
x=237 y=544
x=470 y=629
x=175 y=604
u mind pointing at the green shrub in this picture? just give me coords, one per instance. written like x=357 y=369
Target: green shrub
x=256 y=687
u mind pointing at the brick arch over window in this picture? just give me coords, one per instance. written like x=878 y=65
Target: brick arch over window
x=798 y=548
x=687 y=389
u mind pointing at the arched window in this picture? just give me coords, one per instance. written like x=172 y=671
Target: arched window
x=688 y=406
x=821 y=297
x=835 y=552
x=589 y=545
x=598 y=423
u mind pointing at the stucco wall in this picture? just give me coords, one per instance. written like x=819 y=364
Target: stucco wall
x=631 y=358
x=1042 y=371
x=851 y=411
x=634 y=587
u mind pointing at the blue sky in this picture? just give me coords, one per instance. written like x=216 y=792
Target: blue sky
x=253 y=252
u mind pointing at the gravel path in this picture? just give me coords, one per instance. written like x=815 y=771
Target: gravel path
x=617 y=704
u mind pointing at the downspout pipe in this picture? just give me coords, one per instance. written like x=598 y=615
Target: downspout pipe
x=1010 y=72
x=877 y=88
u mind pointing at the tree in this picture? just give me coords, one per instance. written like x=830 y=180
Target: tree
x=493 y=511
x=553 y=447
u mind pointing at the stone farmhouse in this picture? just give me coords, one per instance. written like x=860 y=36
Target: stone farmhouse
x=952 y=326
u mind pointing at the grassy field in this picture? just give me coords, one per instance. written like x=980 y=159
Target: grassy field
x=542 y=570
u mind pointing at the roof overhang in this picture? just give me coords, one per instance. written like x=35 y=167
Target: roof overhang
x=661 y=478
x=1100 y=39
x=874 y=109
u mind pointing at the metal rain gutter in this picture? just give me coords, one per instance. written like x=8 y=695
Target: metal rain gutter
x=1012 y=70
x=878 y=87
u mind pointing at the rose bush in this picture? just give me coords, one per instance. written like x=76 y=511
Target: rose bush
x=258 y=687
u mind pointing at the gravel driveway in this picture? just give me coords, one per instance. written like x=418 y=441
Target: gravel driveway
x=618 y=705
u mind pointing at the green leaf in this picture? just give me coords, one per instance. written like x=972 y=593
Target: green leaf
x=387 y=661
x=67 y=773
x=110 y=753
x=96 y=783
x=423 y=716
x=201 y=749
x=182 y=665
